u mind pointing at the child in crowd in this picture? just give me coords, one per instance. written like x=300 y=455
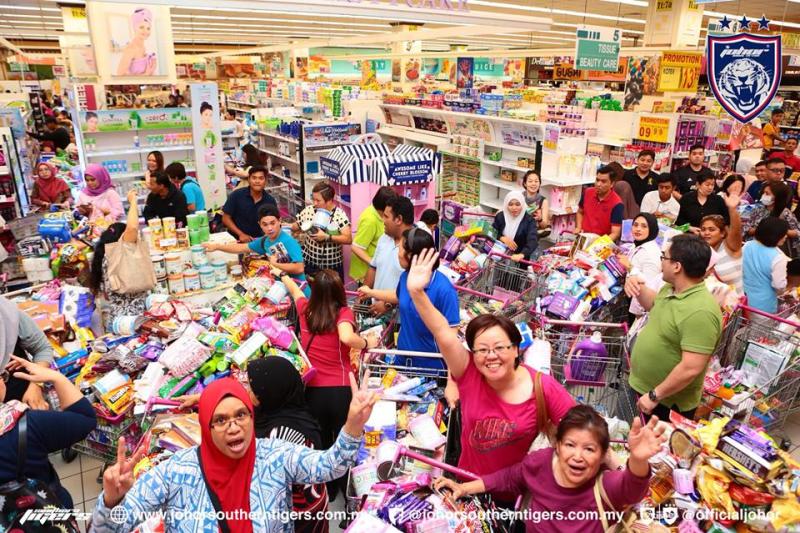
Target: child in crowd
x=429 y=221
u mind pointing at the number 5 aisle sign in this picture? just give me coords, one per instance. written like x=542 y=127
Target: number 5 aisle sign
x=653 y=129
x=597 y=48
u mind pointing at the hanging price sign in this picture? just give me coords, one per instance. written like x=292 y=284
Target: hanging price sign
x=653 y=129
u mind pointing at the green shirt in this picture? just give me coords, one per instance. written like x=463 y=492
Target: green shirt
x=690 y=321
x=368 y=230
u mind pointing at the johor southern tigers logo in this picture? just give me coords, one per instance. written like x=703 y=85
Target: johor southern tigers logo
x=744 y=72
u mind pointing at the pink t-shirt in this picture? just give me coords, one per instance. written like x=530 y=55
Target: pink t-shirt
x=496 y=434
x=108 y=200
x=329 y=355
x=535 y=475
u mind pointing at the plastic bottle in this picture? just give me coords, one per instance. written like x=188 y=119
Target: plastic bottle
x=587 y=361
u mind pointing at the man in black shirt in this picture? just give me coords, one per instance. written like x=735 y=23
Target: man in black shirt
x=641 y=179
x=165 y=200
x=58 y=135
x=689 y=175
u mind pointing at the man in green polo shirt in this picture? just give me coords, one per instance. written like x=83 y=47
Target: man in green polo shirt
x=671 y=353
x=368 y=230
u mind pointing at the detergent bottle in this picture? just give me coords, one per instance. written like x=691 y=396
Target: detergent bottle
x=588 y=359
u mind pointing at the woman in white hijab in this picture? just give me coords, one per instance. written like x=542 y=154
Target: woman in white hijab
x=515 y=227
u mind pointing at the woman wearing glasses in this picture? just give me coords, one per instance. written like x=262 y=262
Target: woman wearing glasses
x=498 y=399
x=232 y=482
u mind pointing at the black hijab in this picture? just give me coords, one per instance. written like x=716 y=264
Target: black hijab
x=652 y=224
x=280 y=391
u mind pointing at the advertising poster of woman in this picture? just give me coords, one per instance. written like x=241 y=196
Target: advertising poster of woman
x=135 y=43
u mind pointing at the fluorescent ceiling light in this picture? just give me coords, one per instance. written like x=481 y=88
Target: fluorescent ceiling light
x=204 y=23
x=273 y=21
x=31 y=8
x=639 y=3
x=300 y=29
x=551 y=11
x=391 y=18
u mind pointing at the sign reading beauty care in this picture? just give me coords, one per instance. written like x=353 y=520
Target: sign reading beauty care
x=439 y=5
x=597 y=48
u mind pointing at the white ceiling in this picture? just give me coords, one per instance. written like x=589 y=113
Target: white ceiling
x=29 y=22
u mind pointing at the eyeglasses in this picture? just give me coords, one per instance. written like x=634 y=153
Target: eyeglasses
x=222 y=423
x=503 y=349
x=665 y=258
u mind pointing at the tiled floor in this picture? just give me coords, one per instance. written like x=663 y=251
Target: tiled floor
x=80 y=476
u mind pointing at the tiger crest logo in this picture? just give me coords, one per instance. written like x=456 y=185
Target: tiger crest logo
x=744 y=72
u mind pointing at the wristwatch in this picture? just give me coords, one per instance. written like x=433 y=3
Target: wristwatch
x=653 y=396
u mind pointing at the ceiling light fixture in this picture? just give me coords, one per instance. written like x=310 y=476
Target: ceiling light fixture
x=555 y=11
x=639 y=3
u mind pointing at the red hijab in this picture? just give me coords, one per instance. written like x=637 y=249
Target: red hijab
x=51 y=188
x=228 y=478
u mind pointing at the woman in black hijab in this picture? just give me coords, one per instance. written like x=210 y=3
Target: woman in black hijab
x=281 y=413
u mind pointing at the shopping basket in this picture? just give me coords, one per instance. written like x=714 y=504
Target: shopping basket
x=597 y=378
x=101 y=443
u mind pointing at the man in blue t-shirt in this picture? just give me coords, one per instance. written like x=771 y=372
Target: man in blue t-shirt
x=195 y=201
x=414 y=335
x=280 y=248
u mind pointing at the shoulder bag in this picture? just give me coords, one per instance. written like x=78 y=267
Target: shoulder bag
x=130 y=269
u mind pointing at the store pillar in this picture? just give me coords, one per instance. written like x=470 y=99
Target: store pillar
x=673 y=23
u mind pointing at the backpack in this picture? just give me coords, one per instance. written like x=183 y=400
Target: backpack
x=23 y=494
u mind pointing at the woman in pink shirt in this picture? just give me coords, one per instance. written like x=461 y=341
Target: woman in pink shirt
x=498 y=401
x=99 y=199
x=568 y=484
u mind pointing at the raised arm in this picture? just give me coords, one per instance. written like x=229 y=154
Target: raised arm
x=291 y=286
x=228 y=247
x=131 y=233
x=734 y=239
x=454 y=353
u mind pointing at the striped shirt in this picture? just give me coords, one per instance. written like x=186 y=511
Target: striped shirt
x=728 y=268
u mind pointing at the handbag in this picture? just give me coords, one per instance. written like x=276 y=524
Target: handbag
x=23 y=494
x=130 y=269
x=547 y=432
x=600 y=497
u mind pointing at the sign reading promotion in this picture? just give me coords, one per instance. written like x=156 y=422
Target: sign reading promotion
x=597 y=48
x=680 y=71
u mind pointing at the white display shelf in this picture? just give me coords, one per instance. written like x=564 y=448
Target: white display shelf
x=500 y=184
x=567 y=182
x=522 y=149
x=279 y=156
x=412 y=135
x=282 y=178
x=502 y=164
x=607 y=141
x=430 y=111
x=239 y=102
x=564 y=212
x=460 y=156
x=138 y=130
x=140 y=150
x=135 y=174
x=274 y=135
x=492 y=203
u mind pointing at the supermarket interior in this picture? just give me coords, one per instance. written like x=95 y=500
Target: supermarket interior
x=381 y=266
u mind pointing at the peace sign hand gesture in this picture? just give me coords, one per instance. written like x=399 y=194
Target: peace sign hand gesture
x=360 y=406
x=645 y=441
x=118 y=478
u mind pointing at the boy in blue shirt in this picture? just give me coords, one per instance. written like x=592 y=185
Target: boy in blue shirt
x=195 y=201
x=280 y=248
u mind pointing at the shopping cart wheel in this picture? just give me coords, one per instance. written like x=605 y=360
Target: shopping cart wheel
x=68 y=454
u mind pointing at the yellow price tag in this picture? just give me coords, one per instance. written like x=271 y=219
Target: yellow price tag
x=653 y=129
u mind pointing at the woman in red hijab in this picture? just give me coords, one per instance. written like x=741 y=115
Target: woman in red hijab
x=48 y=189
x=232 y=482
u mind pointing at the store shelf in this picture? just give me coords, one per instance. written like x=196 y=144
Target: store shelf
x=283 y=178
x=147 y=130
x=460 y=156
x=522 y=149
x=608 y=141
x=567 y=182
x=429 y=111
x=494 y=204
x=500 y=184
x=279 y=156
x=291 y=140
x=426 y=138
x=502 y=164
x=140 y=150
x=238 y=102
x=563 y=212
x=135 y=174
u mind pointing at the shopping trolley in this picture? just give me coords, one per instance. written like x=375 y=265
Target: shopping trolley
x=767 y=347
x=366 y=319
x=101 y=442
x=596 y=379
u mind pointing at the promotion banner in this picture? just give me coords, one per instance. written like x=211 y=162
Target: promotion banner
x=135 y=119
x=408 y=172
x=680 y=71
x=208 y=143
x=324 y=134
x=653 y=129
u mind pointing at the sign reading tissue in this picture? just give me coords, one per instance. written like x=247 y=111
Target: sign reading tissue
x=412 y=171
x=597 y=48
